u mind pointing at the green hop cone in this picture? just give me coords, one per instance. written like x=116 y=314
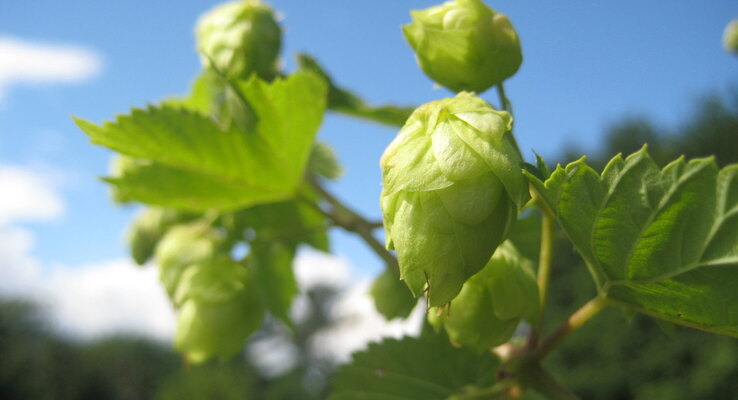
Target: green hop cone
x=148 y=229
x=464 y=45
x=491 y=303
x=730 y=37
x=391 y=297
x=452 y=190
x=240 y=38
x=219 y=308
x=183 y=246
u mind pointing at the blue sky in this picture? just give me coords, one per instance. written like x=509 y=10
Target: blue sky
x=586 y=64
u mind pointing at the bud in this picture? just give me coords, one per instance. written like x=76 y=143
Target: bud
x=240 y=38
x=730 y=37
x=491 y=303
x=452 y=189
x=464 y=45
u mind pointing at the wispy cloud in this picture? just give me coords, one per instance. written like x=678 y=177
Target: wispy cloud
x=115 y=296
x=24 y=62
x=27 y=194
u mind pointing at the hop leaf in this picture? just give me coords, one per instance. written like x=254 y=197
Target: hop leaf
x=240 y=38
x=452 y=189
x=464 y=45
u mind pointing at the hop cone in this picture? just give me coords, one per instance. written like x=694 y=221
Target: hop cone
x=452 y=189
x=240 y=38
x=491 y=303
x=464 y=45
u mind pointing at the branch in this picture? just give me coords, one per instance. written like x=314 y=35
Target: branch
x=351 y=221
x=574 y=322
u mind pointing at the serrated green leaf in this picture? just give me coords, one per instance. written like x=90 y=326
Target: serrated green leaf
x=248 y=167
x=344 y=101
x=164 y=186
x=663 y=242
x=203 y=94
x=409 y=369
x=275 y=281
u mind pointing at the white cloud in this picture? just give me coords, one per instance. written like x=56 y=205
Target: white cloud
x=27 y=195
x=115 y=296
x=84 y=301
x=360 y=324
x=24 y=62
x=109 y=297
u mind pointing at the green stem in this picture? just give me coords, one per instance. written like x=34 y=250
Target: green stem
x=504 y=101
x=507 y=106
x=351 y=221
x=574 y=322
x=545 y=256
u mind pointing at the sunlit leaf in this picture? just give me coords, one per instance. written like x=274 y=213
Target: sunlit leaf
x=663 y=242
x=184 y=149
x=427 y=368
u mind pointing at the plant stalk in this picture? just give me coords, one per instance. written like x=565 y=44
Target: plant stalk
x=574 y=322
x=507 y=106
x=545 y=256
x=351 y=221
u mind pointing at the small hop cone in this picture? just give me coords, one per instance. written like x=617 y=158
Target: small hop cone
x=730 y=37
x=148 y=229
x=219 y=308
x=181 y=247
x=464 y=45
x=241 y=38
x=391 y=297
x=491 y=303
x=452 y=190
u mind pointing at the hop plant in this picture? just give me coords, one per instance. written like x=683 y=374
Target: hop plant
x=240 y=38
x=452 y=190
x=491 y=303
x=464 y=45
x=730 y=37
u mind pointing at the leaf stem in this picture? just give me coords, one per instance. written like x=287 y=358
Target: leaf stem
x=507 y=106
x=545 y=256
x=574 y=322
x=351 y=221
